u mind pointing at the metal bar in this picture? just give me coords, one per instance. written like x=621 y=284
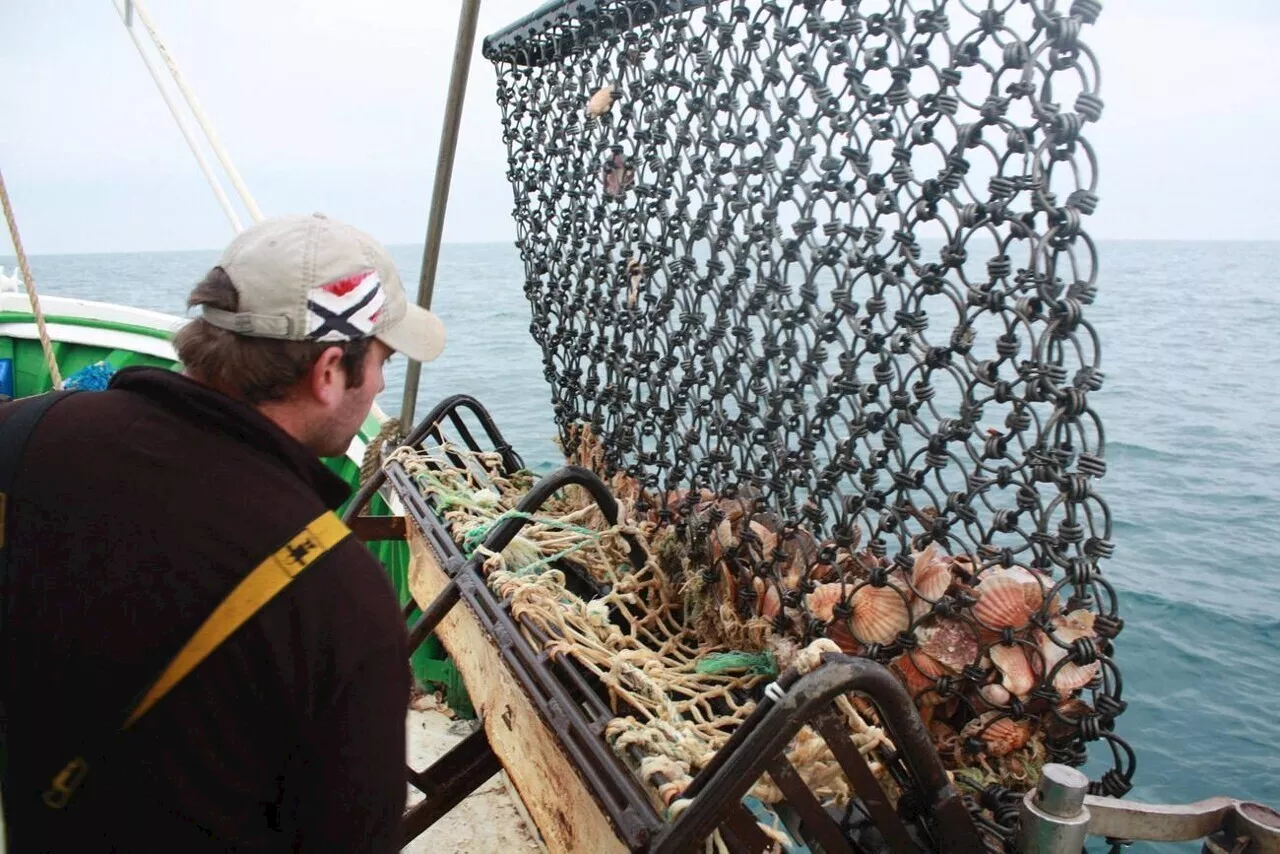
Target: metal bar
x=1156 y=822
x=126 y=15
x=606 y=776
x=444 y=174
x=375 y=528
x=834 y=732
x=431 y=422
x=839 y=674
x=448 y=781
x=564 y=27
x=814 y=817
x=434 y=613
x=198 y=112
x=743 y=834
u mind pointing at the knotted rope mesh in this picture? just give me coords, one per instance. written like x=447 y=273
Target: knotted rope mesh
x=811 y=278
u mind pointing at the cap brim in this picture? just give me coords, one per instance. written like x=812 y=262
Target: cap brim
x=419 y=335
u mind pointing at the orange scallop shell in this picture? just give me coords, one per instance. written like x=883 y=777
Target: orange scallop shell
x=1002 y=603
x=822 y=601
x=839 y=633
x=917 y=682
x=1000 y=735
x=768 y=602
x=1068 y=628
x=931 y=575
x=1013 y=664
x=928 y=665
x=879 y=614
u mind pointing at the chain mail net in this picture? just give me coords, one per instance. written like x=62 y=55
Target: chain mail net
x=810 y=283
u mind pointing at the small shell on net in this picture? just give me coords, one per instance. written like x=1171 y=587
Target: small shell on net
x=1065 y=720
x=602 y=101
x=880 y=614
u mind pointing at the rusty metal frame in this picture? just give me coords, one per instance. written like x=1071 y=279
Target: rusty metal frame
x=576 y=715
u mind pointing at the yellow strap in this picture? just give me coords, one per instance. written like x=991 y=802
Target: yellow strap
x=257 y=589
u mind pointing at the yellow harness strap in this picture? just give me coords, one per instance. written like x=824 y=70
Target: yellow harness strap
x=256 y=589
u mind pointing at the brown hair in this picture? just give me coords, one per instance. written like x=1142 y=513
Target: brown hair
x=256 y=369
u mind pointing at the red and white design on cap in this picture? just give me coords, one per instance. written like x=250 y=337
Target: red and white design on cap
x=346 y=309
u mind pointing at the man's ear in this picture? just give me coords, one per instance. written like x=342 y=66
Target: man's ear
x=327 y=378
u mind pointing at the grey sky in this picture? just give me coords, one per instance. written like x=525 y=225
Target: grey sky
x=336 y=105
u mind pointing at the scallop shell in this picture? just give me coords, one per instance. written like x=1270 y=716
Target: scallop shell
x=601 y=102
x=840 y=633
x=1002 y=602
x=768 y=539
x=822 y=601
x=1012 y=662
x=725 y=535
x=1068 y=628
x=995 y=694
x=1034 y=584
x=879 y=614
x=931 y=575
x=949 y=642
x=928 y=665
x=916 y=680
x=1000 y=735
x=768 y=602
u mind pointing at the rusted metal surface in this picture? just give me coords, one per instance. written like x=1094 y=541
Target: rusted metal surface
x=370 y=529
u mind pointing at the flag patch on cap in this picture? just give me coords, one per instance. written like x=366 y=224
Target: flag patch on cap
x=345 y=309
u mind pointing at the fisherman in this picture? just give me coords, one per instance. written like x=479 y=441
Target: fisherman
x=135 y=511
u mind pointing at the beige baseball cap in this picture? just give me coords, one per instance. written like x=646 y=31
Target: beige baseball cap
x=312 y=278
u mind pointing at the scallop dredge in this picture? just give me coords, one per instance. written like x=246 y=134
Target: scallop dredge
x=1000 y=659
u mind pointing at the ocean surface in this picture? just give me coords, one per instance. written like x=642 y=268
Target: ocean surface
x=1191 y=412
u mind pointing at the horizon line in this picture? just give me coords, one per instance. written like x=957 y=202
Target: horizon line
x=10 y=257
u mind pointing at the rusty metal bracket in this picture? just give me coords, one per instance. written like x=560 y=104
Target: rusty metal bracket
x=374 y=528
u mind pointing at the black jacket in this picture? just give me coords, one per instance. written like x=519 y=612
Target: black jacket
x=136 y=510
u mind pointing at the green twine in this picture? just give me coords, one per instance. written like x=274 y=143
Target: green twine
x=755 y=663
x=473 y=539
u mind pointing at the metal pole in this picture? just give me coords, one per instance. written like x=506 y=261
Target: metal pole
x=440 y=192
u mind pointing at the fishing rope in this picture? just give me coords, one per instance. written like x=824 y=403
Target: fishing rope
x=371 y=461
x=677 y=699
x=55 y=376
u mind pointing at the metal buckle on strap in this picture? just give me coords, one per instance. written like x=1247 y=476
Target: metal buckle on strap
x=66 y=782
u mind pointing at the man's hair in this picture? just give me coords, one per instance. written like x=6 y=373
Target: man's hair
x=256 y=369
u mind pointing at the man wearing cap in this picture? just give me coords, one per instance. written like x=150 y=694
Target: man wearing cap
x=135 y=511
